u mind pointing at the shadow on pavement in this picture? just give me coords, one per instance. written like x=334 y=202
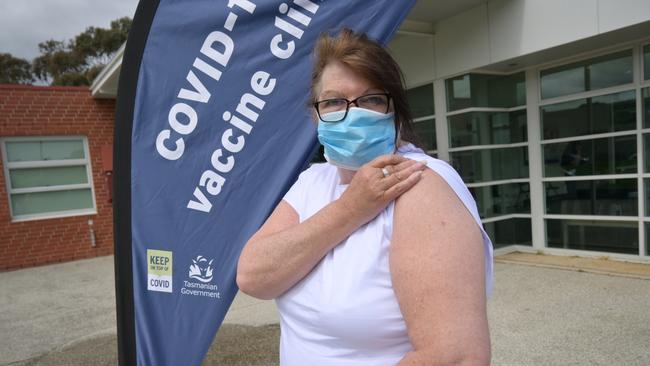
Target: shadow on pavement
x=234 y=345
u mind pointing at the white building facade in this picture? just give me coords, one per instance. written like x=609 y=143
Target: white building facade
x=543 y=107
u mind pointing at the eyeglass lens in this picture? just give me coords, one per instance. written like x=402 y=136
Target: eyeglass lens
x=374 y=102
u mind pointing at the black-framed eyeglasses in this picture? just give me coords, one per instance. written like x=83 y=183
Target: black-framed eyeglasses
x=336 y=109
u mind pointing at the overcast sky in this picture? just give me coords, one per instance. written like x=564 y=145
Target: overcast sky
x=25 y=23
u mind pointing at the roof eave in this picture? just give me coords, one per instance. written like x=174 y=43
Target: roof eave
x=105 y=84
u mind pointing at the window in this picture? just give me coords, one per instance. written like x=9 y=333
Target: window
x=487 y=128
x=482 y=90
x=502 y=199
x=601 y=114
x=48 y=177
x=593 y=74
x=603 y=197
x=590 y=158
x=597 y=235
x=647 y=240
x=484 y=165
x=646 y=107
x=425 y=129
x=610 y=155
x=423 y=111
x=488 y=146
x=421 y=101
x=646 y=62
x=514 y=231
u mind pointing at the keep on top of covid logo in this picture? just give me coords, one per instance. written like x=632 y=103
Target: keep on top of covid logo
x=159 y=270
x=200 y=270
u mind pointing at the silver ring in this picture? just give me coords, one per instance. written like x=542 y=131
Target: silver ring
x=385 y=172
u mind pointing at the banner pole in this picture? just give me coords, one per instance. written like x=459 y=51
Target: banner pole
x=125 y=314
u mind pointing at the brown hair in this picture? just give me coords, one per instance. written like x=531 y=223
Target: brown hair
x=371 y=61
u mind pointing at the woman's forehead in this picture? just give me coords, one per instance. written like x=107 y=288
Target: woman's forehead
x=338 y=77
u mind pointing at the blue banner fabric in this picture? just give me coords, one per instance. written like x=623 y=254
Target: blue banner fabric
x=221 y=129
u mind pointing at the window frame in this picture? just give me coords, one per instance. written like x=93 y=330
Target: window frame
x=86 y=161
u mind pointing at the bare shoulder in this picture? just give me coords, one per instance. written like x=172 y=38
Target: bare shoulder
x=431 y=218
x=433 y=197
x=437 y=266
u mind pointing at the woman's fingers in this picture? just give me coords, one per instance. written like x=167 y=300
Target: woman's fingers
x=387 y=160
x=393 y=169
x=401 y=172
x=397 y=189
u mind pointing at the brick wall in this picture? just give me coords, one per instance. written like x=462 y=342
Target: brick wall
x=56 y=111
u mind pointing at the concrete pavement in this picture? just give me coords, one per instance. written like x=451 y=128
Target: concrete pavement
x=64 y=314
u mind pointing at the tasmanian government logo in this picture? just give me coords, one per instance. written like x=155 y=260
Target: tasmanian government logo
x=159 y=270
x=200 y=270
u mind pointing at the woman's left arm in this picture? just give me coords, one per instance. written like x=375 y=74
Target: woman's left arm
x=437 y=265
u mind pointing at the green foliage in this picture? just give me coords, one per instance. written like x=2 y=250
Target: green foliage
x=14 y=70
x=79 y=61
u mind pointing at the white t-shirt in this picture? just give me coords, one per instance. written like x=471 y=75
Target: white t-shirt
x=344 y=312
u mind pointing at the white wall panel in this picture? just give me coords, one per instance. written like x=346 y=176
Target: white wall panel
x=500 y=30
x=519 y=27
x=415 y=55
x=615 y=14
x=462 y=42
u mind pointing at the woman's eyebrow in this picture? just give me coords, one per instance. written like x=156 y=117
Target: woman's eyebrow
x=373 y=90
x=331 y=93
x=337 y=94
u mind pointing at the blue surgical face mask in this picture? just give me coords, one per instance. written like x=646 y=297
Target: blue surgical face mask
x=362 y=136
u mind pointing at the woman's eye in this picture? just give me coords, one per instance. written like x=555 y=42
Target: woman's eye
x=333 y=103
x=376 y=100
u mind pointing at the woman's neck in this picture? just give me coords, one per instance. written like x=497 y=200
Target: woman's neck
x=345 y=175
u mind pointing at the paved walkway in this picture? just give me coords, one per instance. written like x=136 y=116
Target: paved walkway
x=539 y=315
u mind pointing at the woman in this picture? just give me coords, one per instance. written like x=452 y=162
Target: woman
x=378 y=256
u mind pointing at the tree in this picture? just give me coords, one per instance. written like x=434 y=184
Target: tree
x=14 y=70
x=79 y=60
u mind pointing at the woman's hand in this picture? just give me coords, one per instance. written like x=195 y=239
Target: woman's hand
x=370 y=191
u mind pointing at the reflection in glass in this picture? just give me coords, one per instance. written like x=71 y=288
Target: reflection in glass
x=611 y=197
x=509 y=232
x=646 y=146
x=48 y=177
x=421 y=101
x=612 y=155
x=610 y=70
x=426 y=132
x=646 y=62
x=596 y=73
x=646 y=183
x=491 y=164
x=486 y=128
x=646 y=107
x=564 y=80
x=502 y=199
x=319 y=155
x=44 y=150
x=647 y=238
x=602 y=236
x=56 y=201
x=606 y=113
x=479 y=90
